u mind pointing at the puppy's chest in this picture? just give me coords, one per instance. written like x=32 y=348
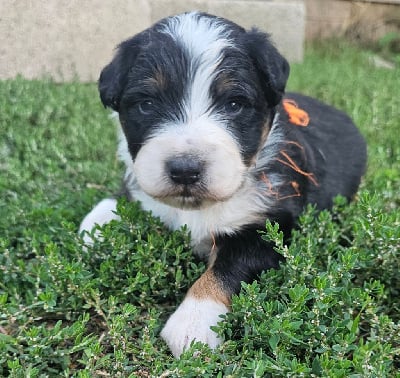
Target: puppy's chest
x=223 y=218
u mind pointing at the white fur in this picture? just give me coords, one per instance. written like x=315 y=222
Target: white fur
x=102 y=213
x=203 y=138
x=225 y=217
x=192 y=321
x=247 y=205
x=200 y=133
x=236 y=194
x=204 y=39
x=199 y=34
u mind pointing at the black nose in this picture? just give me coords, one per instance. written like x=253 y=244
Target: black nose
x=184 y=170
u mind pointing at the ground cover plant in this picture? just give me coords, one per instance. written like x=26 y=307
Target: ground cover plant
x=332 y=310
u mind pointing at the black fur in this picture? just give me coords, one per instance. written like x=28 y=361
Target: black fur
x=255 y=69
x=329 y=154
x=333 y=150
x=146 y=84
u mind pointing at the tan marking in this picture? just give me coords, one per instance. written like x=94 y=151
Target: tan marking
x=208 y=287
x=264 y=135
x=158 y=81
x=214 y=249
x=224 y=84
x=265 y=132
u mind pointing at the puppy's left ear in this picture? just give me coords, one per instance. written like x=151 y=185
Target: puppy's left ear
x=272 y=67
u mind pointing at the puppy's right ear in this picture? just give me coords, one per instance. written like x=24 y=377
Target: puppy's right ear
x=110 y=85
x=113 y=77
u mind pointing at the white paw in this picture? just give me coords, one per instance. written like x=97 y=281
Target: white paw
x=192 y=321
x=101 y=214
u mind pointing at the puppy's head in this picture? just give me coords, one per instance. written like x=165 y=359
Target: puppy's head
x=195 y=95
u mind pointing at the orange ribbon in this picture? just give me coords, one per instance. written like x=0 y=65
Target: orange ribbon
x=297 y=116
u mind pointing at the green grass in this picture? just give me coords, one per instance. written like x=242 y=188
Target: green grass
x=332 y=310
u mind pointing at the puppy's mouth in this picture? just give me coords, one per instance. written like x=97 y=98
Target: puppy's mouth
x=189 y=181
x=186 y=187
x=188 y=198
x=189 y=203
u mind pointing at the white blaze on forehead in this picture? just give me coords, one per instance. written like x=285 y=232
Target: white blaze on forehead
x=204 y=39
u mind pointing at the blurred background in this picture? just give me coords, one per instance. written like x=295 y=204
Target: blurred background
x=73 y=40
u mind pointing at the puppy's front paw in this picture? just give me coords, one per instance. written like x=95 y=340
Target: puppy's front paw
x=192 y=321
x=102 y=213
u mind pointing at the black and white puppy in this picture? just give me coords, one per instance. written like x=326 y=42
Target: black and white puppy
x=208 y=143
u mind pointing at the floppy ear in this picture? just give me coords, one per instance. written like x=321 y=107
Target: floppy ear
x=272 y=67
x=113 y=77
x=110 y=85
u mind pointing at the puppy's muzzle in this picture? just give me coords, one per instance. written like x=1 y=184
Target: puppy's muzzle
x=184 y=170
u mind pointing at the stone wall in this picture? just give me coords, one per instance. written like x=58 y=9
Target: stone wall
x=364 y=20
x=69 y=39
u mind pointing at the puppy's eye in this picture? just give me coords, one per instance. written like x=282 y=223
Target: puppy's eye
x=234 y=107
x=146 y=107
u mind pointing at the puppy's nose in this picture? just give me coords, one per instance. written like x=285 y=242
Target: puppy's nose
x=185 y=170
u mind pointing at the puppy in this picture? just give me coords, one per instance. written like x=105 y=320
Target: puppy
x=210 y=141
